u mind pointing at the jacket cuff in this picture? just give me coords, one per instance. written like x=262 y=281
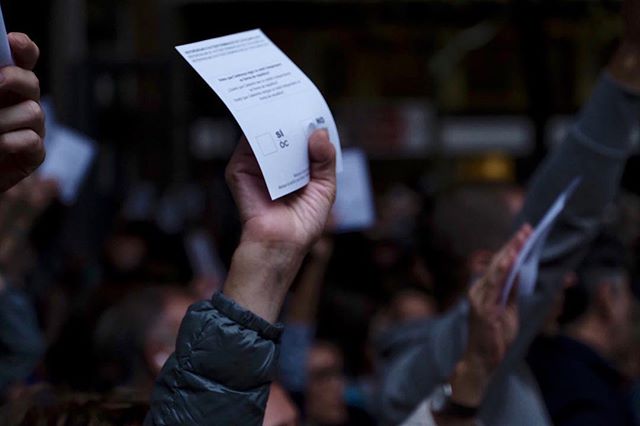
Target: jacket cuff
x=246 y=318
x=608 y=123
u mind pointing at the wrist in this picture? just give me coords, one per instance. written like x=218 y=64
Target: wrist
x=260 y=276
x=624 y=67
x=469 y=381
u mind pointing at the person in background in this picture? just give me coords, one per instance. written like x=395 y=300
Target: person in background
x=134 y=338
x=311 y=369
x=324 y=402
x=596 y=149
x=580 y=369
x=300 y=317
x=492 y=329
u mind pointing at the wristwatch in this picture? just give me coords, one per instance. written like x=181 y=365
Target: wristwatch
x=441 y=404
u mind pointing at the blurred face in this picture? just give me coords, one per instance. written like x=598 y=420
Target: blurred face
x=412 y=305
x=126 y=252
x=325 y=389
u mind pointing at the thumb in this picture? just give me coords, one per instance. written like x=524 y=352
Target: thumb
x=322 y=159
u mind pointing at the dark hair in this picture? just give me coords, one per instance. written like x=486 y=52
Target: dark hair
x=121 y=332
x=465 y=220
x=605 y=259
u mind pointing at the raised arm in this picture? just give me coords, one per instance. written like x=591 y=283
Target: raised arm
x=227 y=348
x=596 y=149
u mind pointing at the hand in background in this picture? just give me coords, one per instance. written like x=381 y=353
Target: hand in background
x=21 y=118
x=492 y=327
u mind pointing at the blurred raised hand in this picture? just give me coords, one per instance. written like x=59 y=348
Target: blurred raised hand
x=492 y=325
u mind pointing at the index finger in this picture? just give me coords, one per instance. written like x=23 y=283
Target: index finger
x=25 y=52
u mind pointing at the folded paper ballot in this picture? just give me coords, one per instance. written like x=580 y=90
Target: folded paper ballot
x=275 y=103
x=5 y=51
x=354 y=208
x=525 y=268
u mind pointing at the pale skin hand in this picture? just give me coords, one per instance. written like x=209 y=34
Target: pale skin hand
x=492 y=327
x=21 y=118
x=276 y=235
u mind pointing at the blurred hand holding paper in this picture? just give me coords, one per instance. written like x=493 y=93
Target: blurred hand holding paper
x=5 y=51
x=274 y=102
x=354 y=208
x=525 y=268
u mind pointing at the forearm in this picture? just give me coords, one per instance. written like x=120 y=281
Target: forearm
x=260 y=276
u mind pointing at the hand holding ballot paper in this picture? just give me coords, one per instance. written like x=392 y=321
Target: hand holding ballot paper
x=21 y=118
x=525 y=268
x=274 y=102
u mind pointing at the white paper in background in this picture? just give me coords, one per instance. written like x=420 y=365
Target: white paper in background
x=354 y=208
x=69 y=156
x=203 y=256
x=273 y=101
x=525 y=268
x=5 y=51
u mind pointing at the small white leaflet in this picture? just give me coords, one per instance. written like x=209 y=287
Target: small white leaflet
x=274 y=102
x=525 y=268
x=5 y=50
x=354 y=207
x=69 y=155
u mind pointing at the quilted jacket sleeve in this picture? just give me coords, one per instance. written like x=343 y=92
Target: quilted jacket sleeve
x=220 y=373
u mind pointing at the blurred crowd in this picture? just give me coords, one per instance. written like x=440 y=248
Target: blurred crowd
x=403 y=322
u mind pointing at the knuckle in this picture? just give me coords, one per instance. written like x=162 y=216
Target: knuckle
x=34 y=112
x=32 y=140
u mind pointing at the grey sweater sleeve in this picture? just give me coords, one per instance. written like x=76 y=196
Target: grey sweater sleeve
x=225 y=359
x=596 y=149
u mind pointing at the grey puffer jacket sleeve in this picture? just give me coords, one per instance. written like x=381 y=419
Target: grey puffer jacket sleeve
x=225 y=359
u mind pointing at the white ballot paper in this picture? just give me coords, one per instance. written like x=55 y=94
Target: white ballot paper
x=5 y=51
x=525 y=268
x=274 y=102
x=69 y=155
x=354 y=208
